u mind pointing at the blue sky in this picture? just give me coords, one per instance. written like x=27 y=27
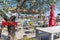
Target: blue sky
x=56 y=12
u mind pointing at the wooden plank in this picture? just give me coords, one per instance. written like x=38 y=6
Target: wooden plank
x=57 y=39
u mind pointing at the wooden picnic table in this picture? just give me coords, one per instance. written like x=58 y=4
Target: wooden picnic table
x=50 y=30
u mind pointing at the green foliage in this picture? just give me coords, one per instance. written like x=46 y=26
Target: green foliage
x=32 y=39
x=25 y=38
x=4 y=5
x=1 y=1
x=41 y=5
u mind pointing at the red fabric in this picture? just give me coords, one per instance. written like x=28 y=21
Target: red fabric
x=9 y=23
x=4 y=23
x=52 y=21
x=12 y=23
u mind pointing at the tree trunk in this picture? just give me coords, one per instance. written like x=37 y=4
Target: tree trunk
x=11 y=33
x=11 y=30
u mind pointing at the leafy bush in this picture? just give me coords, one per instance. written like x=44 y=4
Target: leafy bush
x=26 y=38
x=32 y=39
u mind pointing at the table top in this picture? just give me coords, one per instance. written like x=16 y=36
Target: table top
x=54 y=29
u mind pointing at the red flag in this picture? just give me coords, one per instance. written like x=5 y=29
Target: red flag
x=52 y=21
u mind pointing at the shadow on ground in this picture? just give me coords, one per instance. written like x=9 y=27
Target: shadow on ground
x=3 y=37
x=45 y=36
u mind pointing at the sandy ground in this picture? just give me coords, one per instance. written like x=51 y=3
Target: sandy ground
x=19 y=34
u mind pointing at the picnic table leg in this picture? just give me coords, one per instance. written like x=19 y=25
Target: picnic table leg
x=51 y=37
x=37 y=35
